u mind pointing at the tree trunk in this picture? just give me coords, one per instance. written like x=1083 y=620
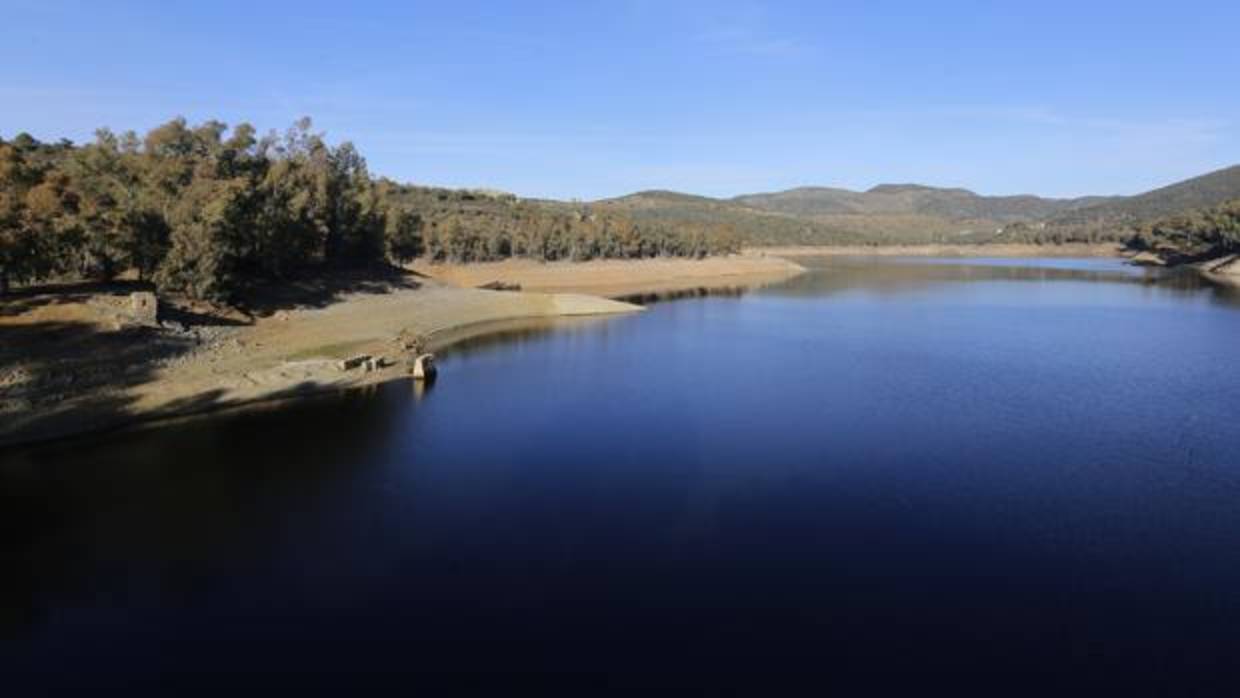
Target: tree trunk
x=4 y=281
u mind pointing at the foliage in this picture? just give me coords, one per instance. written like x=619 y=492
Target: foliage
x=206 y=212
x=1201 y=233
x=473 y=226
x=200 y=210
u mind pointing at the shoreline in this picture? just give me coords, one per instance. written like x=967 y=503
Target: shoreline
x=617 y=278
x=294 y=353
x=946 y=250
x=1225 y=269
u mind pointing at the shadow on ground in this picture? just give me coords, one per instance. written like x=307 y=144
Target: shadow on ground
x=322 y=291
x=65 y=368
x=61 y=377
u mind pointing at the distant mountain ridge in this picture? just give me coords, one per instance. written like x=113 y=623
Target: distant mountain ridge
x=910 y=213
x=913 y=199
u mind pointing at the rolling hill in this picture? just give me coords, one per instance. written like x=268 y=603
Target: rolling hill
x=1207 y=191
x=914 y=213
x=885 y=214
x=912 y=199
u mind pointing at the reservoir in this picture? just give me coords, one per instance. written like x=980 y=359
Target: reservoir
x=1008 y=464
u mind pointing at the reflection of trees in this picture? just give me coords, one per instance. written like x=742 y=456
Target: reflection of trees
x=887 y=276
x=680 y=294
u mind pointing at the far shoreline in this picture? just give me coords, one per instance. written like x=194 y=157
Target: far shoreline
x=1014 y=250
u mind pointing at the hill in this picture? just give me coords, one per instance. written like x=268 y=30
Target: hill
x=887 y=214
x=754 y=225
x=1207 y=191
x=912 y=199
x=473 y=224
x=916 y=213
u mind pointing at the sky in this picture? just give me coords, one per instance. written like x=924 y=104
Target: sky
x=585 y=100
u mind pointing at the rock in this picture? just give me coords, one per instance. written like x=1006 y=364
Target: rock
x=500 y=286
x=144 y=308
x=1146 y=259
x=424 y=367
x=352 y=362
x=1224 y=265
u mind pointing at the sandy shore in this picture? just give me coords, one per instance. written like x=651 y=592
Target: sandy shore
x=1223 y=269
x=1069 y=250
x=618 y=278
x=66 y=368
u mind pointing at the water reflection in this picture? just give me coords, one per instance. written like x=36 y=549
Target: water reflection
x=889 y=276
x=481 y=337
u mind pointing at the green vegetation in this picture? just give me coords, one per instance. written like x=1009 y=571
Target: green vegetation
x=1200 y=234
x=199 y=210
x=885 y=215
x=916 y=214
x=473 y=226
x=206 y=212
x=754 y=226
x=1208 y=190
x=911 y=199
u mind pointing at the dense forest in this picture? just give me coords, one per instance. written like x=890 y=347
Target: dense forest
x=199 y=210
x=206 y=212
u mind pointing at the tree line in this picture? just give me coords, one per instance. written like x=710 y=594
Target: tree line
x=206 y=212
x=479 y=226
x=199 y=210
x=1055 y=233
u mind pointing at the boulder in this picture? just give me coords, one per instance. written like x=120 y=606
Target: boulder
x=352 y=362
x=500 y=286
x=1146 y=259
x=144 y=308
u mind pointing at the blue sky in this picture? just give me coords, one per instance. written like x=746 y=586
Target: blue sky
x=587 y=100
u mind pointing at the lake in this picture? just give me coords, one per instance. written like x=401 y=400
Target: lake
x=886 y=464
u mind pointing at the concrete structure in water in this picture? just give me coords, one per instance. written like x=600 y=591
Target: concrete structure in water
x=424 y=367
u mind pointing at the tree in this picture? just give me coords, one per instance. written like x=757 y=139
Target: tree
x=209 y=229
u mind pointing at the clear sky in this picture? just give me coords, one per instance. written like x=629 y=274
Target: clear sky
x=593 y=99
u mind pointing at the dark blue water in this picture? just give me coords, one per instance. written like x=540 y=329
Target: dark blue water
x=880 y=465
